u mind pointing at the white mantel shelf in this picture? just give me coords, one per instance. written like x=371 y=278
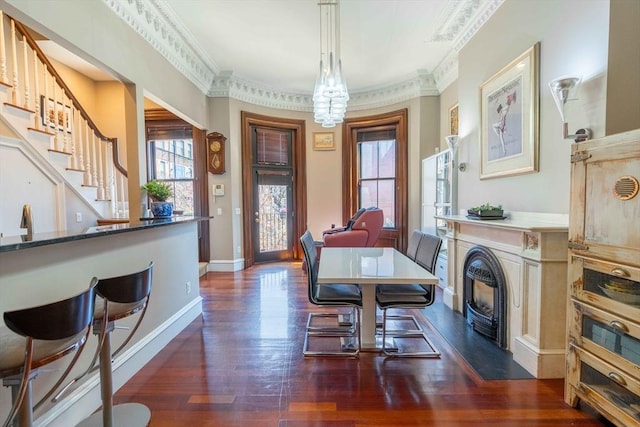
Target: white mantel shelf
x=532 y=249
x=523 y=221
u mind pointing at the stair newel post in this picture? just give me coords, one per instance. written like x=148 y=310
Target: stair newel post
x=123 y=196
x=100 y=148
x=87 y=167
x=3 y=53
x=14 y=57
x=25 y=60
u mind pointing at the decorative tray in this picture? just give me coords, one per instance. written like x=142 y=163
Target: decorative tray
x=486 y=217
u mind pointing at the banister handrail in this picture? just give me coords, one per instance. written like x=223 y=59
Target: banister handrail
x=32 y=43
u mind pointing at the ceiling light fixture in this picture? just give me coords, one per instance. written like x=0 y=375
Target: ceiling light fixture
x=565 y=89
x=330 y=94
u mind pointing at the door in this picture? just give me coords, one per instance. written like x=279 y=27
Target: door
x=272 y=194
x=272 y=207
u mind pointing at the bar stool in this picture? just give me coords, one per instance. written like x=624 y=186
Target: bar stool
x=122 y=296
x=52 y=331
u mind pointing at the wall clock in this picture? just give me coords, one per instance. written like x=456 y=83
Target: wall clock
x=215 y=144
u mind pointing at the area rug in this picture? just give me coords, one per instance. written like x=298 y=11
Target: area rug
x=482 y=354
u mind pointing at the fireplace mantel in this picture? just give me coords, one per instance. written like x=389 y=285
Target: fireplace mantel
x=532 y=250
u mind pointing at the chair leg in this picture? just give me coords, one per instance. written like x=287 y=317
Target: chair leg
x=129 y=414
x=410 y=333
x=349 y=337
x=22 y=414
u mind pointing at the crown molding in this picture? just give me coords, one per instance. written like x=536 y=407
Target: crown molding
x=155 y=21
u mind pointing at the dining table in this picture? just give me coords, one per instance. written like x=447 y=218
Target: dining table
x=368 y=267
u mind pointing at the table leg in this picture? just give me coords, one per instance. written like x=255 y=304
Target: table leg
x=368 y=326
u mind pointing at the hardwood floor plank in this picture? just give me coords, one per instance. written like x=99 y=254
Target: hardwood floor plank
x=241 y=364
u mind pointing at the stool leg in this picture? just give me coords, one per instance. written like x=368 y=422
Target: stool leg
x=106 y=382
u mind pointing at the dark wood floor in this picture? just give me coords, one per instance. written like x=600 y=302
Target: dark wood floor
x=241 y=364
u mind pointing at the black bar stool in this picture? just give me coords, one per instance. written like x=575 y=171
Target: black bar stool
x=122 y=296
x=52 y=331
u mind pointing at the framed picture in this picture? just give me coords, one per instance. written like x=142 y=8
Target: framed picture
x=323 y=141
x=48 y=113
x=509 y=118
x=453 y=120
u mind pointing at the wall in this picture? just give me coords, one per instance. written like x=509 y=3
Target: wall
x=324 y=169
x=573 y=36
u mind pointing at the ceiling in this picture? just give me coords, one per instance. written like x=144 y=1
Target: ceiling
x=274 y=44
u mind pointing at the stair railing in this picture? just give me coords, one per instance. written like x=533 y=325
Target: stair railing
x=38 y=88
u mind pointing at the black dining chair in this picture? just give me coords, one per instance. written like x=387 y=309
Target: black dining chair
x=334 y=295
x=37 y=336
x=407 y=297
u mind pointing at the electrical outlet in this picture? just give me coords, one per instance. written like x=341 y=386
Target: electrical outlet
x=219 y=211
x=187 y=288
x=78 y=216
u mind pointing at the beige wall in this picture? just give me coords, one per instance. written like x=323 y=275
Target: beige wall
x=568 y=45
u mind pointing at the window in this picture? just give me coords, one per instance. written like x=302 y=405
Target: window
x=171 y=160
x=378 y=177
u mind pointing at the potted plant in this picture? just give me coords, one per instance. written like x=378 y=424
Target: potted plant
x=159 y=192
x=486 y=210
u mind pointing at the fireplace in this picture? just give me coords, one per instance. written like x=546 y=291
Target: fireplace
x=484 y=295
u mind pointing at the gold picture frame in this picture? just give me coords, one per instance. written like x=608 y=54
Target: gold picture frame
x=509 y=118
x=453 y=120
x=323 y=141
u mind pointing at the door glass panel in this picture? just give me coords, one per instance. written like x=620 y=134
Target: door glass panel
x=273 y=211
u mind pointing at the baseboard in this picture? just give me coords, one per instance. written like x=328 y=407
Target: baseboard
x=83 y=401
x=226 y=265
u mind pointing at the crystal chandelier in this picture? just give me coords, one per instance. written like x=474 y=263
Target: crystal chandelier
x=330 y=95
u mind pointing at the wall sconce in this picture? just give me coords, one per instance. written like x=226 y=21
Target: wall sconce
x=564 y=89
x=452 y=143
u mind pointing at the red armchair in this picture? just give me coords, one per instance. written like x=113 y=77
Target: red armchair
x=362 y=230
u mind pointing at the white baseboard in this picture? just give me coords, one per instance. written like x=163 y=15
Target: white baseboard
x=83 y=401
x=226 y=265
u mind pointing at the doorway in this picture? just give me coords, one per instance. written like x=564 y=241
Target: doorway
x=274 y=184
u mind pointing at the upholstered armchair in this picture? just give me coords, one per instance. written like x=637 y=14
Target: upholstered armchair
x=361 y=230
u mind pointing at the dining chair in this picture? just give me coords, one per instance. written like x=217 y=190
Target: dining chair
x=37 y=336
x=414 y=242
x=330 y=295
x=408 y=297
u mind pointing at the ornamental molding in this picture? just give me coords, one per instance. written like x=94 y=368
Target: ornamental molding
x=159 y=26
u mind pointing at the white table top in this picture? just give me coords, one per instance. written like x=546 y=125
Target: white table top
x=370 y=266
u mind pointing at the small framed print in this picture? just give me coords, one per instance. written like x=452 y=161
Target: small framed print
x=323 y=141
x=453 y=120
x=55 y=114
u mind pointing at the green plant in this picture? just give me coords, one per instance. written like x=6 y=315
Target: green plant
x=487 y=207
x=157 y=190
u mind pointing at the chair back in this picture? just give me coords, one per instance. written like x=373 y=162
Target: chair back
x=311 y=261
x=55 y=321
x=126 y=289
x=412 y=246
x=427 y=253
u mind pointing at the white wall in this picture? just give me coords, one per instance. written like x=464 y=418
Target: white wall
x=573 y=36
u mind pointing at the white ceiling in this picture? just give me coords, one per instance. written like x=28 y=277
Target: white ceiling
x=275 y=43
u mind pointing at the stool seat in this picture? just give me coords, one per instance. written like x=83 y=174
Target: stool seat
x=36 y=336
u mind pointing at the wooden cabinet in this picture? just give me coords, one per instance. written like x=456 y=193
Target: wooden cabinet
x=603 y=351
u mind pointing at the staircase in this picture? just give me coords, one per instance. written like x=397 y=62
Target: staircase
x=44 y=122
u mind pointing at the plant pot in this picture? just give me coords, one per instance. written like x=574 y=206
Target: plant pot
x=487 y=213
x=162 y=209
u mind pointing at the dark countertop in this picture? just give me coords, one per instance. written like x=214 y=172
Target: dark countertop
x=15 y=243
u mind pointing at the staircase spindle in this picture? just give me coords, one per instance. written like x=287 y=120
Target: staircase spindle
x=87 y=166
x=14 y=54
x=3 y=53
x=25 y=65
x=36 y=88
x=94 y=161
x=77 y=135
x=100 y=148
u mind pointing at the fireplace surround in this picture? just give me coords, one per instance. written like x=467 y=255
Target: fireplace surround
x=531 y=249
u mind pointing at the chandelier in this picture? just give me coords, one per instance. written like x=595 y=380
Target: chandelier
x=330 y=95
